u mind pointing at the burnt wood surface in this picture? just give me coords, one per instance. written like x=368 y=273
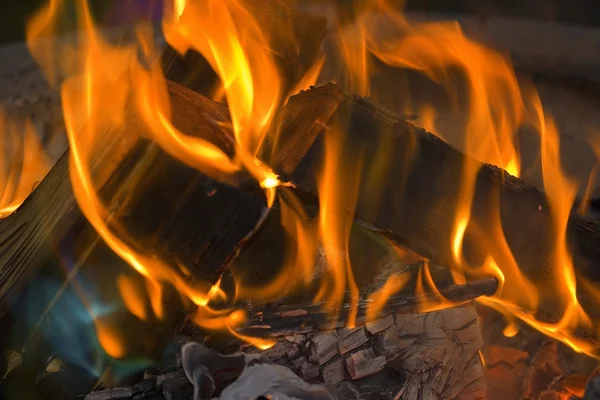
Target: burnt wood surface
x=410 y=182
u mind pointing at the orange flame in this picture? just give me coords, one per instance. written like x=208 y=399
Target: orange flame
x=494 y=109
x=103 y=85
x=378 y=299
x=24 y=162
x=133 y=297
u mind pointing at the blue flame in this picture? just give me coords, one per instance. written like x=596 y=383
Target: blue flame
x=69 y=327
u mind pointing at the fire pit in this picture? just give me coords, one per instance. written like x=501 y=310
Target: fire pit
x=229 y=222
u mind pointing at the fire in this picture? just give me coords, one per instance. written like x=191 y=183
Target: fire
x=103 y=85
x=24 y=162
x=493 y=108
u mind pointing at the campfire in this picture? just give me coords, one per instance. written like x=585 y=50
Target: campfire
x=250 y=206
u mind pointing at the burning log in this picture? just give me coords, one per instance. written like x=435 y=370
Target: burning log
x=290 y=319
x=414 y=207
x=188 y=233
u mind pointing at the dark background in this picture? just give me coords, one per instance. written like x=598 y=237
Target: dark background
x=13 y=13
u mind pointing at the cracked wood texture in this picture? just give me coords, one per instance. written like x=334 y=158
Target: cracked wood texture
x=424 y=356
x=418 y=356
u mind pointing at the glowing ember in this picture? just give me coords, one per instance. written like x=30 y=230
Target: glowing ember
x=105 y=84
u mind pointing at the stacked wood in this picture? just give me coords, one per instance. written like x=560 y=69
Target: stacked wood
x=408 y=356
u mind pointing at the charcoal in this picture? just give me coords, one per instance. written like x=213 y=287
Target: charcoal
x=111 y=394
x=177 y=388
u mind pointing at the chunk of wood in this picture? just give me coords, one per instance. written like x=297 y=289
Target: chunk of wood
x=309 y=371
x=334 y=372
x=269 y=320
x=350 y=339
x=364 y=363
x=380 y=324
x=417 y=188
x=111 y=394
x=324 y=346
x=436 y=364
x=177 y=387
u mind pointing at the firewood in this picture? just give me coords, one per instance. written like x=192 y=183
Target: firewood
x=417 y=357
x=422 y=221
x=176 y=212
x=288 y=319
x=418 y=179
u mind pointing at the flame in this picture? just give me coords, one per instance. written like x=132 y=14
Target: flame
x=338 y=193
x=232 y=42
x=427 y=119
x=109 y=340
x=104 y=85
x=493 y=108
x=378 y=299
x=585 y=201
x=298 y=267
x=108 y=81
x=132 y=296
x=24 y=162
x=432 y=298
